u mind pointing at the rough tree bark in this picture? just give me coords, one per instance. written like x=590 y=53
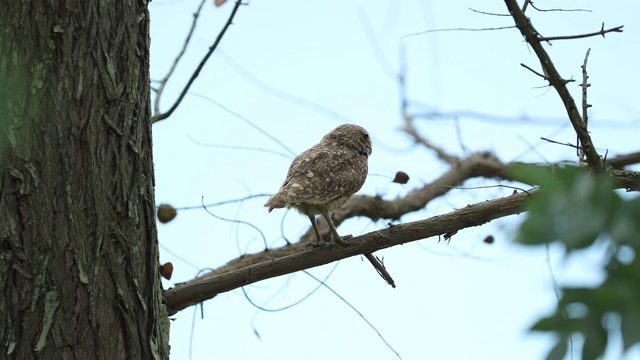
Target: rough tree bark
x=78 y=244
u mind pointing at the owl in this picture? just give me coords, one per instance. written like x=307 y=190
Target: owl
x=324 y=177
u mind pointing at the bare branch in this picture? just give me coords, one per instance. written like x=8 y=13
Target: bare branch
x=570 y=37
x=585 y=104
x=487 y=13
x=559 y=143
x=382 y=270
x=161 y=116
x=408 y=118
x=207 y=286
x=566 y=10
x=621 y=161
x=533 y=38
x=411 y=131
x=533 y=71
x=163 y=82
x=247 y=121
x=251 y=268
x=456 y=29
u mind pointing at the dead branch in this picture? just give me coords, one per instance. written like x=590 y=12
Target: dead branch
x=161 y=116
x=571 y=37
x=411 y=131
x=290 y=258
x=585 y=104
x=163 y=82
x=532 y=37
x=276 y=264
x=559 y=143
x=533 y=71
x=382 y=270
x=556 y=9
x=455 y=29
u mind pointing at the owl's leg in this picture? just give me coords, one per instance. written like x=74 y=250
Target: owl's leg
x=336 y=237
x=319 y=241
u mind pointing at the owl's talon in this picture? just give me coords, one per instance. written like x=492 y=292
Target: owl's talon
x=317 y=244
x=341 y=240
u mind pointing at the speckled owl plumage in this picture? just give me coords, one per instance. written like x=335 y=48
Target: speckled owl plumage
x=324 y=177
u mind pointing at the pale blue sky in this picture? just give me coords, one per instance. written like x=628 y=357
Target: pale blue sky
x=463 y=300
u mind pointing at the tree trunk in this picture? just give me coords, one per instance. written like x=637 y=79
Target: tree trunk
x=78 y=244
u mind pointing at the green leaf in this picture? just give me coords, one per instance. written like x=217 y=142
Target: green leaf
x=573 y=206
x=578 y=208
x=532 y=174
x=625 y=223
x=595 y=340
x=558 y=351
x=548 y=324
x=630 y=326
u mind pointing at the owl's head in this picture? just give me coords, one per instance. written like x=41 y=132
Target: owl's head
x=350 y=136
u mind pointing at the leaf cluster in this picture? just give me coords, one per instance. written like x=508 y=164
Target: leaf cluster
x=580 y=209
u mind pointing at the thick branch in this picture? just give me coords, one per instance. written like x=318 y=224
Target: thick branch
x=532 y=36
x=209 y=285
x=621 y=161
x=374 y=207
x=295 y=257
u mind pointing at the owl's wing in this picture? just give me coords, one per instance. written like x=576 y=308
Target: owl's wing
x=322 y=174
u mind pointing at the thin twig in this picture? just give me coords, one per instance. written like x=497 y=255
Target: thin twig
x=487 y=13
x=559 y=143
x=402 y=84
x=456 y=29
x=357 y=312
x=411 y=131
x=162 y=116
x=566 y=10
x=408 y=118
x=249 y=122
x=542 y=75
x=382 y=270
x=163 y=82
x=585 y=104
x=374 y=44
x=284 y=95
x=264 y=239
x=244 y=148
x=571 y=37
x=533 y=71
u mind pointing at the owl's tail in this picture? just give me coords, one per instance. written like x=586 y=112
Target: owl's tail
x=275 y=202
